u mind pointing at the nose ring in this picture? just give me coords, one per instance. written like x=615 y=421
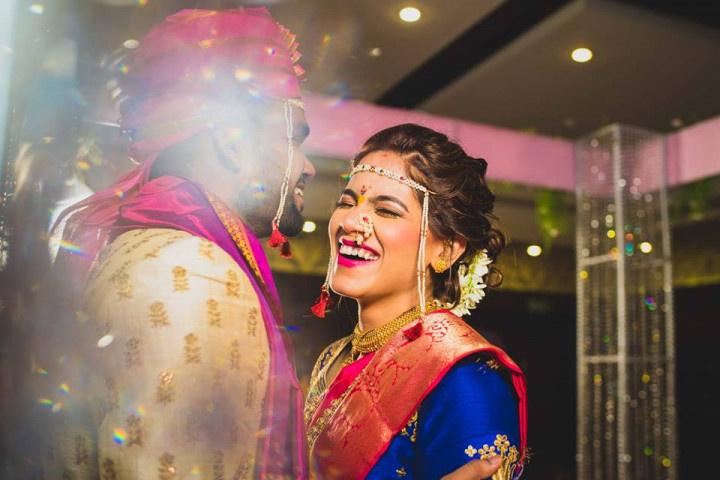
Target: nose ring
x=367 y=227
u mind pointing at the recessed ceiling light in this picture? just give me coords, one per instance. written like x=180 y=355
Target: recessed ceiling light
x=131 y=43
x=375 y=52
x=410 y=14
x=37 y=8
x=309 y=226
x=534 y=250
x=581 y=55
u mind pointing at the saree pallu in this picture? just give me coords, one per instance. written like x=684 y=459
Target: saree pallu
x=353 y=431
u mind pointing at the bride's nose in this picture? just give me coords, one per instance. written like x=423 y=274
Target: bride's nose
x=360 y=225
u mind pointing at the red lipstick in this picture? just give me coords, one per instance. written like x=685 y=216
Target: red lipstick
x=351 y=262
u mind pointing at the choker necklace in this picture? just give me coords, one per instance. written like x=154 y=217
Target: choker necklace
x=364 y=342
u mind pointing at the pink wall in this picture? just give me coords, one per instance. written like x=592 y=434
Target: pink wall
x=339 y=127
x=694 y=152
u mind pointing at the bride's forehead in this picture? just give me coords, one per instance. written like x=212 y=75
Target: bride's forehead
x=386 y=160
x=371 y=184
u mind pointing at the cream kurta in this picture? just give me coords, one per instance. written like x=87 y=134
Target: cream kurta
x=178 y=391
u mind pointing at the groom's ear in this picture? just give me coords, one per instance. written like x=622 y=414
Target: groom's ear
x=229 y=148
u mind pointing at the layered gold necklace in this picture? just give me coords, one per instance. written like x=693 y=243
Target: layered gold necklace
x=364 y=342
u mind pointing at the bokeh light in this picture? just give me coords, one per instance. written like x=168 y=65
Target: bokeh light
x=581 y=55
x=309 y=226
x=410 y=14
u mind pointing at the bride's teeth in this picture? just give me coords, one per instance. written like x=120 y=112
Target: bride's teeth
x=356 y=252
x=299 y=192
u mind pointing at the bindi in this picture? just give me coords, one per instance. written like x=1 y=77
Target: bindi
x=363 y=191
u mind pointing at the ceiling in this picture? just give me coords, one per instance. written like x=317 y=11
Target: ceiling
x=500 y=62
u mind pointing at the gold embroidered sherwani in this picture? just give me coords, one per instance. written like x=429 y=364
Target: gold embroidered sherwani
x=171 y=366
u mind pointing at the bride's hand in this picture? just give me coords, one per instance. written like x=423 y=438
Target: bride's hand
x=475 y=470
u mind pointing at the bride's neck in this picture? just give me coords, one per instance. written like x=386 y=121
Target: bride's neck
x=377 y=312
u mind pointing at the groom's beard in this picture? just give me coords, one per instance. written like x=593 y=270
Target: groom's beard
x=258 y=211
x=292 y=221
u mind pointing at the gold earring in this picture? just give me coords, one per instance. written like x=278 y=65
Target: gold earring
x=440 y=265
x=443 y=262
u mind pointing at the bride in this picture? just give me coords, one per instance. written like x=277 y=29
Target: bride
x=414 y=392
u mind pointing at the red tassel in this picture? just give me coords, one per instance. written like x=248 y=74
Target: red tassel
x=278 y=240
x=322 y=304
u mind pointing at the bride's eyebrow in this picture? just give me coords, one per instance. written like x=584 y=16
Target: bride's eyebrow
x=390 y=198
x=350 y=193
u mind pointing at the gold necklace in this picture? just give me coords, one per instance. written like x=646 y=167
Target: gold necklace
x=364 y=342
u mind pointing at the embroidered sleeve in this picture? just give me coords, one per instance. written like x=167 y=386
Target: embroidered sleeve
x=471 y=414
x=178 y=369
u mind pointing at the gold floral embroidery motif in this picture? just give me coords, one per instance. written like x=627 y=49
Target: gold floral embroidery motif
x=134 y=431
x=192 y=348
x=113 y=397
x=166 y=470
x=154 y=252
x=262 y=363
x=252 y=322
x=244 y=469
x=121 y=281
x=180 y=279
x=501 y=446
x=410 y=429
x=218 y=466
x=232 y=286
x=132 y=353
x=206 y=249
x=81 y=452
x=108 y=470
x=401 y=472
x=235 y=355
x=165 y=390
x=158 y=315
x=233 y=433
x=250 y=393
x=213 y=312
x=493 y=364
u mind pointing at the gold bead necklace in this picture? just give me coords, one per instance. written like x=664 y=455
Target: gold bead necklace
x=364 y=342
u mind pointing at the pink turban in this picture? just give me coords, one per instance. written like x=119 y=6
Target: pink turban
x=189 y=71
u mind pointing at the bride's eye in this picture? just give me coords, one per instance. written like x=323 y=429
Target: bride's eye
x=342 y=203
x=384 y=212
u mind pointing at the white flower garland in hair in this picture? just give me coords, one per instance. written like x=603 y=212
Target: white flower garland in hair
x=472 y=283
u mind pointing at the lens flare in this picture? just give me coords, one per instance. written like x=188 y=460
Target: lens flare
x=119 y=436
x=72 y=248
